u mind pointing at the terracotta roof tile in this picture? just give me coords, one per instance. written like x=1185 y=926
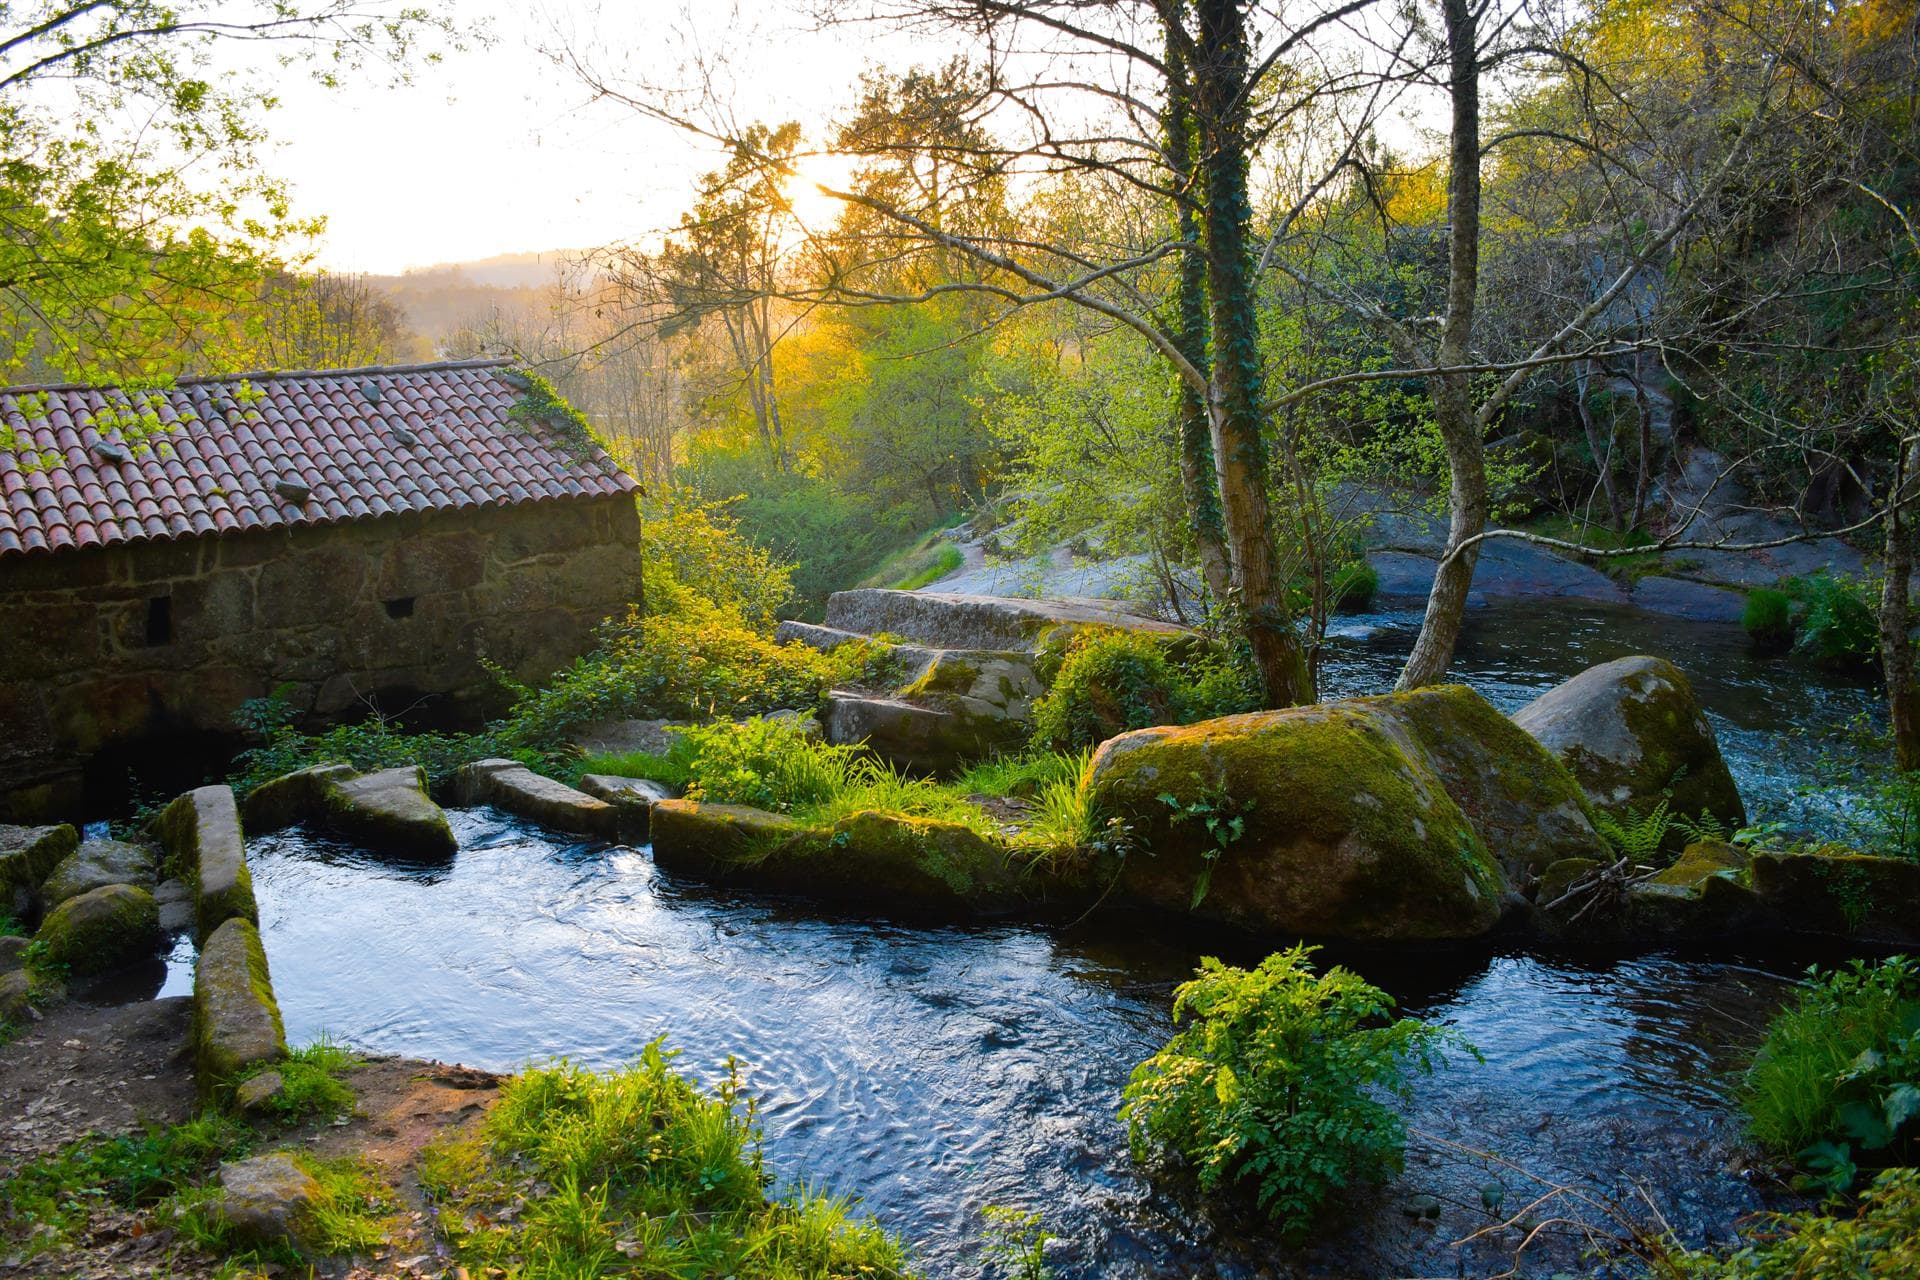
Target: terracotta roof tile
x=215 y=471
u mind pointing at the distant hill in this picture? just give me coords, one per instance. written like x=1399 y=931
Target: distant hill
x=441 y=300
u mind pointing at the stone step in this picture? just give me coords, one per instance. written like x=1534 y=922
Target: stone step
x=914 y=737
x=825 y=639
x=950 y=621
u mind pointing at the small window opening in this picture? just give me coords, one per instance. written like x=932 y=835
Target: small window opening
x=159 y=620
x=400 y=608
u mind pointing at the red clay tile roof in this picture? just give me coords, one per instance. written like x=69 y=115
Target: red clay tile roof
x=364 y=442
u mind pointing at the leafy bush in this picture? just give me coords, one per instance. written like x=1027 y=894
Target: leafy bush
x=694 y=556
x=1113 y=681
x=1768 y=619
x=1839 y=626
x=637 y=1164
x=1879 y=1242
x=1353 y=587
x=1839 y=1071
x=1276 y=1083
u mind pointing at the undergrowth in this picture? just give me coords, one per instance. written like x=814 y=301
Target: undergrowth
x=311 y=1083
x=637 y=1171
x=1880 y=1240
x=1112 y=681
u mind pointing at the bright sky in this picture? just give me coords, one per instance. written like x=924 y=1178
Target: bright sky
x=498 y=150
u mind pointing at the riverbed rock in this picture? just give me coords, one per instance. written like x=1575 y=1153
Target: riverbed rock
x=200 y=832
x=27 y=856
x=389 y=811
x=94 y=864
x=693 y=836
x=1327 y=821
x=518 y=790
x=290 y=798
x=175 y=900
x=267 y=1200
x=13 y=952
x=948 y=620
x=101 y=929
x=16 y=997
x=257 y=1094
x=1704 y=892
x=633 y=797
x=236 y=1021
x=1633 y=733
x=1838 y=891
x=1692 y=601
x=915 y=737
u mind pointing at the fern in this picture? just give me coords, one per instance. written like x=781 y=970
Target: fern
x=1637 y=839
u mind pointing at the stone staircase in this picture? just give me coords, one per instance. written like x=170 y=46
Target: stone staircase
x=965 y=669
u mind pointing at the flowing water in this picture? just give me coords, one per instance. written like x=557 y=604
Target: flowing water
x=935 y=1071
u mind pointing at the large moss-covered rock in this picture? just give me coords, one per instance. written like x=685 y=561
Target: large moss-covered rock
x=16 y=996
x=200 y=832
x=712 y=839
x=27 y=856
x=1833 y=890
x=1705 y=891
x=94 y=864
x=290 y=798
x=236 y=1022
x=101 y=929
x=389 y=811
x=1328 y=821
x=267 y=1199
x=510 y=785
x=1632 y=732
x=920 y=736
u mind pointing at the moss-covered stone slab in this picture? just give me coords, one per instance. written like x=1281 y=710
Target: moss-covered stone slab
x=101 y=929
x=1632 y=732
x=919 y=736
x=633 y=797
x=236 y=1022
x=267 y=1199
x=389 y=812
x=200 y=832
x=27 y=856
x=513 y=787
x=1837 y=891
x=1327 y=821
x=96 y=863
x=712 y=840
x=290 y=798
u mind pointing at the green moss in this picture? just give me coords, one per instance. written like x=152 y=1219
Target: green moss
x=101 y=929
x=236 y=1020
x=1768 y=620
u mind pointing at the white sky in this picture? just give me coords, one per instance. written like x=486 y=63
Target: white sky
x=497 y=150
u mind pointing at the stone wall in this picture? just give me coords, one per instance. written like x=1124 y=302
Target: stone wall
x=107 y=648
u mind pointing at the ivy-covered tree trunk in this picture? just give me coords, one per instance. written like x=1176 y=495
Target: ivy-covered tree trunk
x=1461 y=431
x=1221 y=97
x=1192 y=424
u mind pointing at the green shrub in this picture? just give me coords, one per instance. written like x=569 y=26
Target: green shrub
x=1768 y=619
x=1353 y=587
x=311 y=1083
x=1881 y=1241
x=694 y=555
x=1839 y=626
x=1113 y=681
x=1275 y=1083
x=606 y=1170
x=1838 y=1076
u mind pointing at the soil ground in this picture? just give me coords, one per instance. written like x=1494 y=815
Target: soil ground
x=85 y=1070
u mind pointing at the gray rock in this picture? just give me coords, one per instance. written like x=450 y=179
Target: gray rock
x=1632 y=730
x=175 y=900
x=16 y=996
x=1723 y=512
x=915 y=737
x=200 y=832
x=27 y=855
x=290 y=798
x=13 y=952
x=510 y=785
x=953 y=621
x=1694 y=601
x=256 y=1094
x=389 y=811
x=805 y=723
x=101 y=929
x=625 y=737
x=1509 y=569
x=267 y=1199
x=825 y=639
x=96 y=863
x=633 y=797
x=236 y=1022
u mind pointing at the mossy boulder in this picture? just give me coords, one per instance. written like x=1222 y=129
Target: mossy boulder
x=16 y=996
x=27 y=856
x=290 y=798
x=1705 y=891
x=1835 y=890
x=97 y=863
x=267 y=1200
x=920 y=736
x=1633 y=733
x=711 y=840
x=101 y=929
x=236 y=1022
x=1325 y=821
x=200 y=832
x=511 y=786
x=389 y=812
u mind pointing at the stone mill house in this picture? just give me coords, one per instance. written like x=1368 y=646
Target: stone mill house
x=352 y=538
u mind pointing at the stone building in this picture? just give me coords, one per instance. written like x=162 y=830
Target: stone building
x=351 y=538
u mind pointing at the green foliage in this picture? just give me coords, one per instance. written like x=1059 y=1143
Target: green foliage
x=1113 y=681
x=694 y=554
x=311 y=1083
x=1225 y=821
x=1838 y=626
x=1279 y=1083
x=1637 y=838
x=637 y=1164
x=541 y=407
x=1838 y=1076
x=1353 y=587
x=351 y=1212
x=1017 y=1243
x=938 y=563
x=1768 y=619
x=57 y=1191
x=1879 y=1241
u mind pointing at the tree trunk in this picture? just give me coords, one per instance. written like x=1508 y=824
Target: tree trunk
x=1192 y=425
x=1460 y=427
x=1221 y=94
x=1896 y=616
x=1602 y=457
